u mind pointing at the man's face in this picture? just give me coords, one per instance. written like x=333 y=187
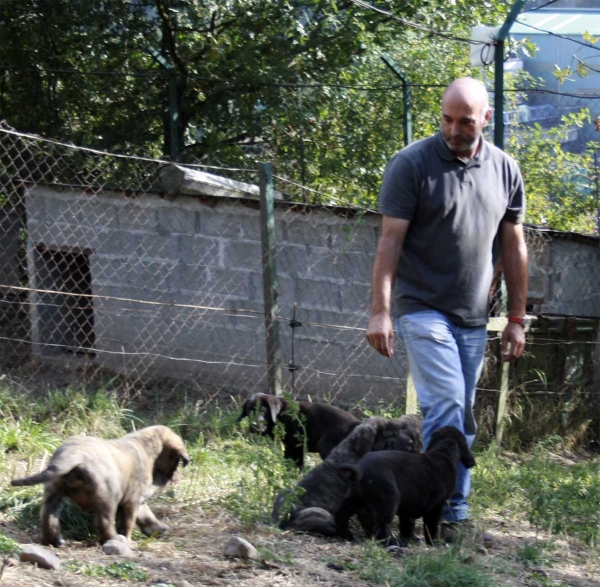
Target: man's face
x=462 y=124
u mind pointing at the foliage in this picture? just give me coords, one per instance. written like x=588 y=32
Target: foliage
x=320 y=104
x=124 y=570
x=263 y=474
x=563 y=500
x=446 y=569
x=558 y=182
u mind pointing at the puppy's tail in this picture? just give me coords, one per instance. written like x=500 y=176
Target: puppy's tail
x=351 y=473
x=47 y=475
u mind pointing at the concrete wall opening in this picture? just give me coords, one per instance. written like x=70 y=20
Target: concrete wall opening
x=65 y=311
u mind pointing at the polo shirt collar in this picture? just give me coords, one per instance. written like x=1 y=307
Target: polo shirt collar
x=445 y=153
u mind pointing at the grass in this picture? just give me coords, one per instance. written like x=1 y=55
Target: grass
x=433 y=569
x=125 y=570
x=242 y=474
x=563 y=500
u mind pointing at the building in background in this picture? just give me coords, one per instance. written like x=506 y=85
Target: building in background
x=567 y=63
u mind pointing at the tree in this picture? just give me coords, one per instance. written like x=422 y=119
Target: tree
x=298 y=83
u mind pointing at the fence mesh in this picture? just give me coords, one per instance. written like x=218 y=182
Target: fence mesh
x=107 y=278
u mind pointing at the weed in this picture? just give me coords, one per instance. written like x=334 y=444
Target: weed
x=531 y=554
x=447 y=569
x=8 y=547
x=126 y=571
x=24 y=505
x=432 y=569
x=562 y=499
x=264 y=472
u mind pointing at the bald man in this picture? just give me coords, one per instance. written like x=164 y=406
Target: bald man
x=443 y=199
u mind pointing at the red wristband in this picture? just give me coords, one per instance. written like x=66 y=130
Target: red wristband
x=517 y=320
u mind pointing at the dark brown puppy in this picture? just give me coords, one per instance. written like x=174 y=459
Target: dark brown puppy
x=109 y=479
x=325 y=426
x=325 y=486
x=412 y=486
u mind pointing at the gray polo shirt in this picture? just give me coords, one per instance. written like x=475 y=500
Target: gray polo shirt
x=455 y=209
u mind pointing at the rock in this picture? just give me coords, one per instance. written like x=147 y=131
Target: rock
x=240 y=548
x=117 y=547
x=40 y=556
x=183 y=583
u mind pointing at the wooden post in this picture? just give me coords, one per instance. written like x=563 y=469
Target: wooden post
x=267 y=231
x=411 y=395
x=504 y=379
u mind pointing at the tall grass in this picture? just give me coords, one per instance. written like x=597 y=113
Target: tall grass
x=244 y=473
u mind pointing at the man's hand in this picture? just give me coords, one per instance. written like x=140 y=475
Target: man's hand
x=513 y=342
x=380 y=334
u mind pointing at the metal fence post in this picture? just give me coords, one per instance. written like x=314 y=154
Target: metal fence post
x=267 y=232
x=173 y=101
x=499 y=73
x=406 y=98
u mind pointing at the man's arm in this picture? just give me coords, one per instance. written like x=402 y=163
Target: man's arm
x=380 y=332
x=514 y=264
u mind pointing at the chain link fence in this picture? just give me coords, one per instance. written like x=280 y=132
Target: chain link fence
x=107 y=280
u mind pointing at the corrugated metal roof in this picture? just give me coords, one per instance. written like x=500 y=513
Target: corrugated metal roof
x=561 y=23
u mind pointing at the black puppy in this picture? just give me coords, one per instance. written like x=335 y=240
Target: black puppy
x=325 y=426
x=410 y=485
x=323 y=488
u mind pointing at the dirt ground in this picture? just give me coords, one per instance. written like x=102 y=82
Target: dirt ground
x=193 y=552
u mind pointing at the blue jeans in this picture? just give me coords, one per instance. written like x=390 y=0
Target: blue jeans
x=445 y=362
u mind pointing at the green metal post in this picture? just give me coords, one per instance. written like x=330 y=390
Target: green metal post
x=499 y=73
x=499 y=94
x=173 y=102
x=267 y=231
x=174 y=115
x=406 y=98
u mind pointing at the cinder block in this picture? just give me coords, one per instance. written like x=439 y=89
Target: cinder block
x=35 y=204
x=230 y=282
x=294 y=260
x=356 y=298
x=360 y=234
x=137 y=216
x=175 y=220
x=62 y=235
x=201 y=250
x=122 y=243
x=222 y=223
x=243 y=255
x=61 y=208
x=158 y=246
x=355 y=267
x=306 y=230
x=98 y=211
x=323 y=294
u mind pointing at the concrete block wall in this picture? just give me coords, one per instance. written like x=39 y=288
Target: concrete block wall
x=177 y=286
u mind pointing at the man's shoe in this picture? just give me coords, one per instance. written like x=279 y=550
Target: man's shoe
x=453 y=532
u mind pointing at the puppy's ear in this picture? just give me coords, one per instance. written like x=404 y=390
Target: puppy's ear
x=466 y=457
x=184 y=457
x=247 y=408
x=273 y=404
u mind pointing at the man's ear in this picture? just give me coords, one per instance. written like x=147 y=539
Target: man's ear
x=274 y=404
x=487 y=117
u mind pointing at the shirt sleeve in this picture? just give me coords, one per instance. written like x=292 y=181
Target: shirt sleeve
x=398 y=196
x=515 y=211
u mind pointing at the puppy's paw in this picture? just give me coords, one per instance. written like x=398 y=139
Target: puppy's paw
x=156 y=528
x=56 y=542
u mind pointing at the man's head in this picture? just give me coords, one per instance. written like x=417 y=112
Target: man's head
x=465 y=113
